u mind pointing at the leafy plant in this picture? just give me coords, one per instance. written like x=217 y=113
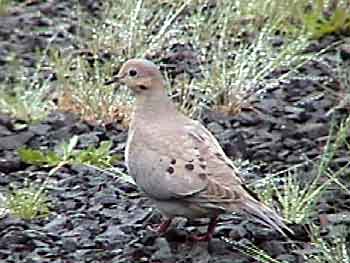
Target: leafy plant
x=318 y=23
x=99 y=157
x=28 y=202
x=4 y=5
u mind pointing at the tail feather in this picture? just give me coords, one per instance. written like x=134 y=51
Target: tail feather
x=266 y=216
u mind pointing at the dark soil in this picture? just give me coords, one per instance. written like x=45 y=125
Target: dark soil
x=97 y=217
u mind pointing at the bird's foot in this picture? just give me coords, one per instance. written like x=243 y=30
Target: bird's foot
x=208 y=236
x=161 y=228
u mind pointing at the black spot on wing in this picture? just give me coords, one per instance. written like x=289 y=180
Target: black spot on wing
x=170 y=170
x=202 y=176
x=202 y=165
x=189 y=166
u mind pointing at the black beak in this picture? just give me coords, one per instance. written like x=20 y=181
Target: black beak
x=114 y=79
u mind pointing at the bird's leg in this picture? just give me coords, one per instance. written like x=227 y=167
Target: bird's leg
x=162 y=227
x=210 y=231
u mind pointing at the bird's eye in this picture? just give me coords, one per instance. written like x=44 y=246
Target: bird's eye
x=132 y=72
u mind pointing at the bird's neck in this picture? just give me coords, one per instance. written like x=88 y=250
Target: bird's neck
x=153 y=108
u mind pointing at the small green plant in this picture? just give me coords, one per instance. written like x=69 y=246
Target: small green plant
x=99 y=157
x=5 y=5
x=29 y=202
x=318 y=23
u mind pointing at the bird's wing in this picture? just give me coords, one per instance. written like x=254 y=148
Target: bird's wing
x=189 y=164
x=224 y=184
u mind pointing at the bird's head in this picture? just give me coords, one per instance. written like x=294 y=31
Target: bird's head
x=141 y=76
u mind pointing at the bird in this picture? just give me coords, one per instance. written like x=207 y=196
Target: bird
x=177 y=163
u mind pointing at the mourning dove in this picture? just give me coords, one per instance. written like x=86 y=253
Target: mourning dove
x=177 y=162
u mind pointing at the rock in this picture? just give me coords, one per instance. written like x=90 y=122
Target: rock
x=16 y=141
x=40 y=129
x=227 y=134
x=6 y=121
x=88 y=139
x=273 y=247
x=261 y=233
x=56 y=224
x=217 y=246
x=69 y=245
x=4 y=131
x=312 y=131
x=10 y=163
x=345 y=51
x=287 y=258
x=247 y=119
x=163 y=252
x=339 y=218
x=215 y=128
x=238 y=232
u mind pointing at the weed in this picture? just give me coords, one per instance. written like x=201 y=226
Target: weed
x=318 y=23
x=99 y=157
x=28 y=202
x=5 y=5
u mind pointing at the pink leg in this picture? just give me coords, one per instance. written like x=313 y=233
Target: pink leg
x=162 y=228
x=210 y=231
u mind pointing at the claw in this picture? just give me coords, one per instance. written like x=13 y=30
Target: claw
x=161 y=228
x=208 y=236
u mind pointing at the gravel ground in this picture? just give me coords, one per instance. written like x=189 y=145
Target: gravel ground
x=97 y=217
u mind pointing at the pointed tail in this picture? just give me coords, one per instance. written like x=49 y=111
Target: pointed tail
x=266 y=216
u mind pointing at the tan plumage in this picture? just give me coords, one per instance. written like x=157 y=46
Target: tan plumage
x=177 y=162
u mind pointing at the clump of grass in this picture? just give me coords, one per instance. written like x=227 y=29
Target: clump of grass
x=241 y=64
x=142 y=26
x=252 y=251
x=120 y=35
x=252 y=68
x=29 y=202
x=236 y=68
x=298 y=200
x=332 y=249
x=81 y=89
x=5 y=5
x=23 y=98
